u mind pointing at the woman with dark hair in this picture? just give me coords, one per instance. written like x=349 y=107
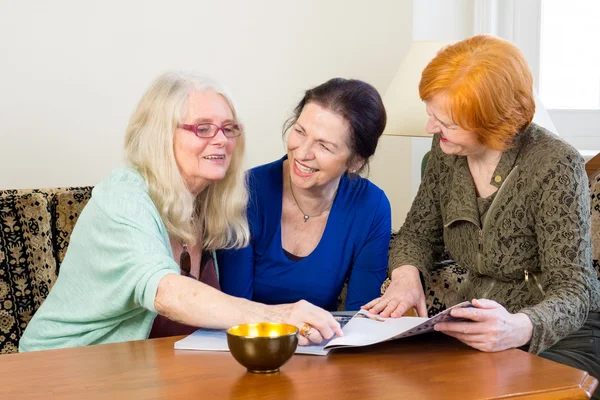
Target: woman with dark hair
x=314 y=222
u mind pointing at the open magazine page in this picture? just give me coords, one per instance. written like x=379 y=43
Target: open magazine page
x=366 y=328
x=427 y=326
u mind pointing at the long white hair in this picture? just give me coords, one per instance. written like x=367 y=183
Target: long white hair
x=216 y=218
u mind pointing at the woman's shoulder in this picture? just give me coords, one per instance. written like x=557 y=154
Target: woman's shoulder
x=265 y=181
x=545 y=159
x=542 y=148
x=365 y=185
x=269 y=170
x=123 y=178
x=362 y=192
x=124 y=191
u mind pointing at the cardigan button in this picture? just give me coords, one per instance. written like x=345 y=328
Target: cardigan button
x=498 y=179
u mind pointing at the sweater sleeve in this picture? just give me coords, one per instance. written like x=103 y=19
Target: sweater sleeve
x=369 y=268
x=119 y=251
x=420 y=239
x=562 y=214
x=125 y=232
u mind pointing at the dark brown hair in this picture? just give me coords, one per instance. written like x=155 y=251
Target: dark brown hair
x=359 y=104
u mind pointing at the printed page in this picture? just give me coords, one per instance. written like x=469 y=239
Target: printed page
x=366 y=328
x=204 y=339
x=427 y=326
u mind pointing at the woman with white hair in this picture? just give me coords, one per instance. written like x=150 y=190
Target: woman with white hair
x=144 y=244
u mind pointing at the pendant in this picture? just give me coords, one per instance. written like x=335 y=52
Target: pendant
x=306 y=217
x=185 y=261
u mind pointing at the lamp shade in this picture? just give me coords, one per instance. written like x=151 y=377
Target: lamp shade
x=541 y=116
x=405 y=110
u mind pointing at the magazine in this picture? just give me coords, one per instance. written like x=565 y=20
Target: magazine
x=360 y=329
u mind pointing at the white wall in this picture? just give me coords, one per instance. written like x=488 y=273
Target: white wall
x=72 y=71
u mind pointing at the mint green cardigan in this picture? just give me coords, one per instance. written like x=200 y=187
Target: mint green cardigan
x=118 y=252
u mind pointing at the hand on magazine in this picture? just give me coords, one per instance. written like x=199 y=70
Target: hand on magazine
x=492 y=328
x=322 y=324
x=405 y=291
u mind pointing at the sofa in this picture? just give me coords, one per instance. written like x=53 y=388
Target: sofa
x=35 y=226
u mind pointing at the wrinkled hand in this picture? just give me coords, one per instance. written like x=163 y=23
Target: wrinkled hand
x=405 y=291
x=493 y=327
x=324 y=325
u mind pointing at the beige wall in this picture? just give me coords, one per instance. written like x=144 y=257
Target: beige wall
x=72 y=71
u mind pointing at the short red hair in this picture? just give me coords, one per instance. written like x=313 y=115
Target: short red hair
x=488 y=85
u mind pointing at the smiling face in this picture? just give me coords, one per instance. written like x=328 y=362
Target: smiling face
x=454 y=140
x=318 y=151
x=203 y=160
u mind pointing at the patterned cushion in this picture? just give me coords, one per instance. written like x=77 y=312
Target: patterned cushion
x=27 y=263
x=595 y=204
x=341 y=301
x=445 y=288
x=35 y=226
x=67 y=205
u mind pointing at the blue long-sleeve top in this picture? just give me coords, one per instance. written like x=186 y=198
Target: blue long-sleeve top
x=354 y=246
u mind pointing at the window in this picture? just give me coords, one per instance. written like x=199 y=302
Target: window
x=570 y=54
x=560 y=40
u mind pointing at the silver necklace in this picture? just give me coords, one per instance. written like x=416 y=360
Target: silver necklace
x=306 y=216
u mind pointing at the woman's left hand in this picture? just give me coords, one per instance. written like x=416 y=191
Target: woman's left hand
x=492 y=327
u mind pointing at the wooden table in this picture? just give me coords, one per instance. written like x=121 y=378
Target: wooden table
x=593 y=165
x=427 y=367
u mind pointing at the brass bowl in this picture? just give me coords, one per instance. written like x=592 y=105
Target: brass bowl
x=262 y=347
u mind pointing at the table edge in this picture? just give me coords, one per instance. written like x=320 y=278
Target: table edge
x=583 y=391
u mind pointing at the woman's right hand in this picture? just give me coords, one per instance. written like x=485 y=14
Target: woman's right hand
x=405 y=291
x=323 y=324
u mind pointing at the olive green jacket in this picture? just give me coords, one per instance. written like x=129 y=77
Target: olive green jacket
x=533 y=252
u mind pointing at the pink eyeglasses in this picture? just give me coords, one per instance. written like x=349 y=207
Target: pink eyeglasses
x=208 y=130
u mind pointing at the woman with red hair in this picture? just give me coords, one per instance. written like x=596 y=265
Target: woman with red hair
x=509 y=201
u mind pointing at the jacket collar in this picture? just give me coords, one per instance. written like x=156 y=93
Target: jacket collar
x=508 y=160
x=461 y=201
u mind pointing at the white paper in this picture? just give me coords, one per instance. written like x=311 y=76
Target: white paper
x=362 y=330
